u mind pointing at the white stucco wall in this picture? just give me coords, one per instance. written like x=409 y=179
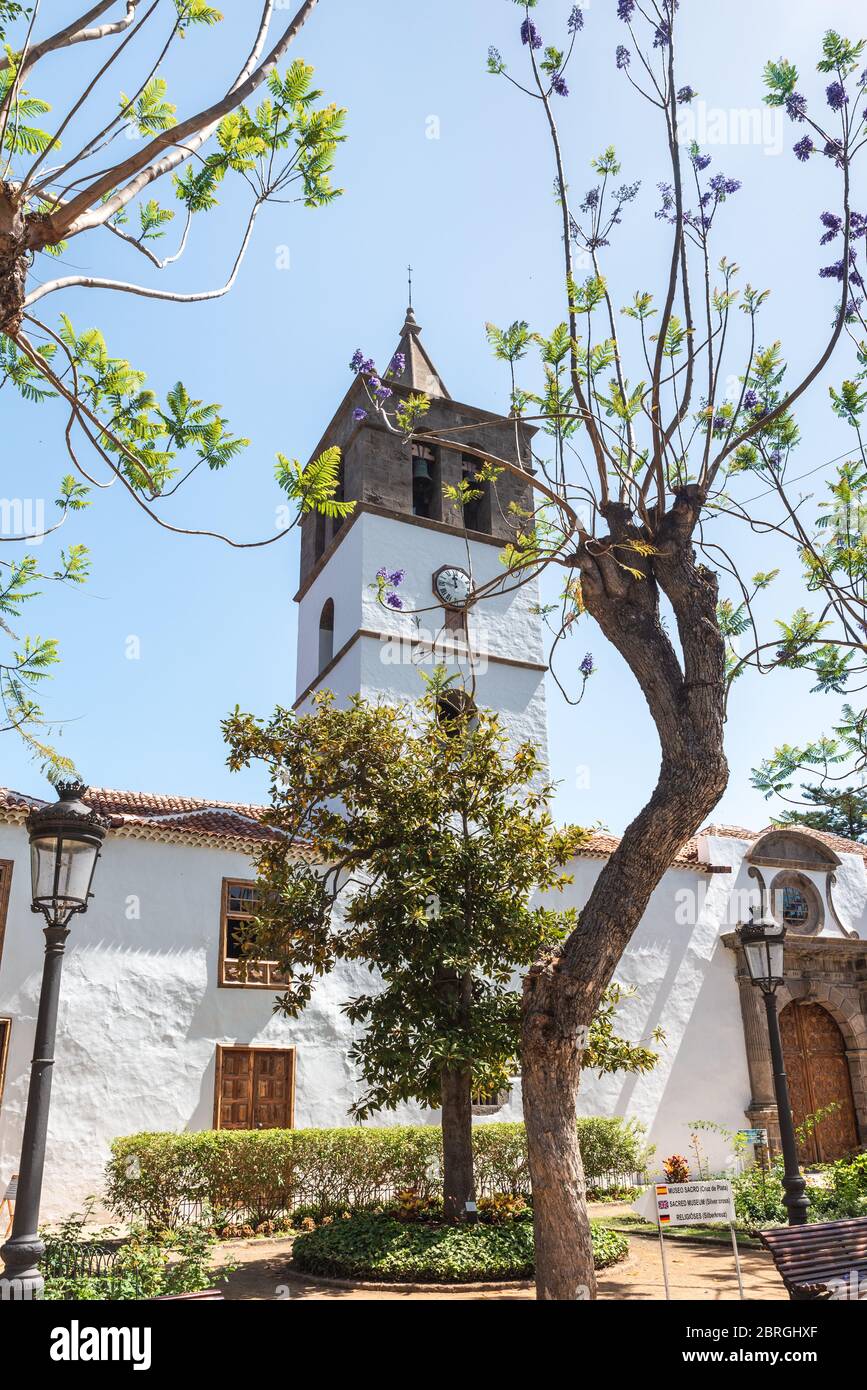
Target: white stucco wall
x=141 y=1013
x=504 y=627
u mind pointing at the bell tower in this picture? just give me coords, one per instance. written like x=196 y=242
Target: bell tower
x=348 y=641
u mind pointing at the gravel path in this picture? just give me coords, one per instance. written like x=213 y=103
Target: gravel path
x=695 y=1273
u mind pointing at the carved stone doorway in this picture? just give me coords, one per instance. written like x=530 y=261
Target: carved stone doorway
x=819 y=1077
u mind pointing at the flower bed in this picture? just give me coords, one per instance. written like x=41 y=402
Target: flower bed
x=384 y=1249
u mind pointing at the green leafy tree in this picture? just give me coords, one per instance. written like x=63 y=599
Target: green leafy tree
x=412 y=841
x=839 y=810
x=69 y=178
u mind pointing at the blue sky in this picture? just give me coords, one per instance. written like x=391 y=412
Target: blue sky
x=473 y=211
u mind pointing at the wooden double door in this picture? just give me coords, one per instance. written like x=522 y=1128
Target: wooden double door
x=818 y=1073
x=255 y=1088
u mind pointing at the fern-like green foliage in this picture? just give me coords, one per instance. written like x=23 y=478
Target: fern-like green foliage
x=314 y=486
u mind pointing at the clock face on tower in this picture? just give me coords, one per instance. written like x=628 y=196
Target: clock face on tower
x=452 y=586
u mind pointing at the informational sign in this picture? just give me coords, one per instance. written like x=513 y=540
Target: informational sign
x=751 y=1136
x=694 y=1203
x=689 y=1204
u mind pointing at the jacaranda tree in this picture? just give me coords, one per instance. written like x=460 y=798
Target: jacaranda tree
x=131 y=166
x=663 y=407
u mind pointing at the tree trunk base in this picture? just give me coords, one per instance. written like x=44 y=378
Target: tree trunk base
x=550 y=1072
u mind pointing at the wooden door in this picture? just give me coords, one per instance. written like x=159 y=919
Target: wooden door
x=254 y=1088
x=818 y=1073
x=272 y=1090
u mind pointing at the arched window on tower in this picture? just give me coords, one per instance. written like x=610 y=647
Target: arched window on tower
x=425 y=481
x=477 y=511
x=326 y=634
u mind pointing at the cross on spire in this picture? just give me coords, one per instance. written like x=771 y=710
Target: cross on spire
x=409 y=272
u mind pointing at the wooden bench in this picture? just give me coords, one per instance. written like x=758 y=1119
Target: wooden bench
x=823 y=1260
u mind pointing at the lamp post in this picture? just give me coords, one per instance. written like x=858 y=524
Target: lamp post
x=763 y=943
x=65 y=837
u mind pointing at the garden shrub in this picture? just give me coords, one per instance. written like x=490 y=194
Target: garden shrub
x=843 y=1193
x=381 y=1248
x=250 y=1179
x=81 y=1264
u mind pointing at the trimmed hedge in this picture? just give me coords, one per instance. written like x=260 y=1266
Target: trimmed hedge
x=366 y=1246
x=166 y=1179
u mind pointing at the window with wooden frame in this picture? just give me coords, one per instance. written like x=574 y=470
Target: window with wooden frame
x=5 y=1035
x=489 y=1102
x=254 y=1088
x=238 y=971
x=5 y=884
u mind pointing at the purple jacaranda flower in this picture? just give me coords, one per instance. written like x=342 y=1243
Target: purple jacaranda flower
x=383 y=393
x=662 y=37
x=627 y=191
x=719 y=422
x=833 y=150
x=591 y=202
x=558 y=82
x=587 y=668
x=804 y=149
x=666 y=213
x=686 y=95
x=862 y=80
x=495 y=59
x=796 y=106
x=837 y=96
x=393 y=577
x=700 y=161
x=530 y=34
x=775 y=458
x=394 y=601
x=576 y=19
x=357 y=359
x=721 y=186
x=857 y=225
x=833 y=224
x=624 y=57
x=625 y=10
x=397 y=365
x=359 y=413
x=751 y=400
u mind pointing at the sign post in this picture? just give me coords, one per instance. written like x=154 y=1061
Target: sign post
x=691 y=1204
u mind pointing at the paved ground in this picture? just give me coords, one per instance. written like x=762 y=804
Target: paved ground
x=695 y=1272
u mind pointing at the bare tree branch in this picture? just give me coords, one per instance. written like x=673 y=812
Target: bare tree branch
x=184 y=139
x=76 y=32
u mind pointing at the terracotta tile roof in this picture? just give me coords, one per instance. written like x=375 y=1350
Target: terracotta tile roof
x=601 y=845
x=146 y=815
x=235 y=824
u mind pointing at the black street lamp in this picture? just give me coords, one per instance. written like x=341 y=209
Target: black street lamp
x=763 y=943
x=65 y=837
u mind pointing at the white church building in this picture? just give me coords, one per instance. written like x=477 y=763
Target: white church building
x=161 y=1029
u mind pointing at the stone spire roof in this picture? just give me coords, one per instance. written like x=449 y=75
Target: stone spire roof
x=420 y=374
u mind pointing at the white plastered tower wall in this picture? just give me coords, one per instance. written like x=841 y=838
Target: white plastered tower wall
x=383 y=654
x=378 y=652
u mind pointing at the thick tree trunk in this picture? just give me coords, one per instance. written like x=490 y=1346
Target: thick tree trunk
x=550 y=1068
x=686 y=696
x=459 y=1183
